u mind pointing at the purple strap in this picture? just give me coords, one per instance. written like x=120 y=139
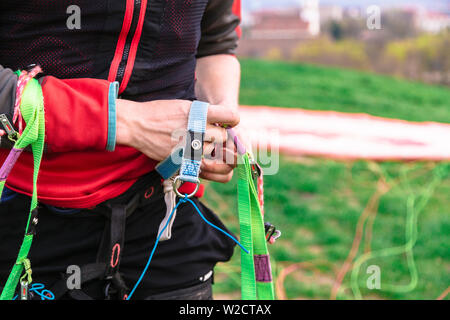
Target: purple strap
x=239 y=146
x=9 y=163
x=263 y=272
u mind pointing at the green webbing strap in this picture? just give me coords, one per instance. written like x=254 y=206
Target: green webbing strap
x=248 y=281
x=255 y=284
x=32 y=109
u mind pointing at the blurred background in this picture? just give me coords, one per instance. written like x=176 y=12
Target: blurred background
x=411 y=41
x=339 y=218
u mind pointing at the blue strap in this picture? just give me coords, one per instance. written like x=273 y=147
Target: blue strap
x=169 y=167
x=193 y=151
x=189 y=165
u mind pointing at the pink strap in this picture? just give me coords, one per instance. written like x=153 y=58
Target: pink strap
x=24 y=78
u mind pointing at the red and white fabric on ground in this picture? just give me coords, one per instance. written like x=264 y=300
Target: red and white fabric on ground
x=344 y=136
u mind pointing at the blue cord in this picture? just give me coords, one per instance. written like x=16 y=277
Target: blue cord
x=38 y=289
x=153 y=251
x=214 y=226
x=182 y=200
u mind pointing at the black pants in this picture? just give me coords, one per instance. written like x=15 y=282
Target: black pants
x=73 y=239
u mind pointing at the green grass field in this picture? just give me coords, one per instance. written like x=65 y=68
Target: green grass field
x=318 y=203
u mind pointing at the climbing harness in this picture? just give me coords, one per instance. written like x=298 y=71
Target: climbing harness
x=30 y=107
x=189 y=171
x=109 y=254
x=256 y=271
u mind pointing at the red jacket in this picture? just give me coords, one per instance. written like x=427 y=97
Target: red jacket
x=141 y=50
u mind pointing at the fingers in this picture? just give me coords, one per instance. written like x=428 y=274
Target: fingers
x=215 y=134
x=209 y=150
x=212 y=166
x=221 y=153
x=223 y=115
x=222 y=178
x=220 y=168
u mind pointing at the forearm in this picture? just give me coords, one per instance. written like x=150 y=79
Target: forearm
x=77 y=112
x=218 y=80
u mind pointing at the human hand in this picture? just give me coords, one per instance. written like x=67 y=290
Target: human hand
x=150 y=127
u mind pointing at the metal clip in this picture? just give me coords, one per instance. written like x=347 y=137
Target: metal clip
x=33 y=222
x=256 y=168
x=177 y=182
x=272 y=233
x=23 y=290
x=13 y=135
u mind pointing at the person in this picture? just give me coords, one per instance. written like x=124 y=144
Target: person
x=116 y=85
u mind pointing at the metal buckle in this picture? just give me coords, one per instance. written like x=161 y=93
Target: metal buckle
x=272 y=233
x=177 y=182
x=13 y=135
x=33 y=222
x=23 y=290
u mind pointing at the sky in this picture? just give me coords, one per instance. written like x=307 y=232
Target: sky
x=432 y=4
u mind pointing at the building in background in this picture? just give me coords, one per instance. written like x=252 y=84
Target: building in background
x=278 y=24
x=280 y=29
x=331 y=13
x=273 y=30
x=309 y=13
x=432 y=21
x=353 y=12
x=298 y=22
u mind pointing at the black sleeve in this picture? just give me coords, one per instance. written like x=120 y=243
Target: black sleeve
x=219 y=28
x=8 y=83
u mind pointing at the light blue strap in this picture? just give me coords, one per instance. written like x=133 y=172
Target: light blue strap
x=190 y=167
x=112 y=116
x=190 y=170
x=193 y=151
x=197 y=117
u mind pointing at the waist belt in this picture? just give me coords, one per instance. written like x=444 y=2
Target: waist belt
x=106 y=267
